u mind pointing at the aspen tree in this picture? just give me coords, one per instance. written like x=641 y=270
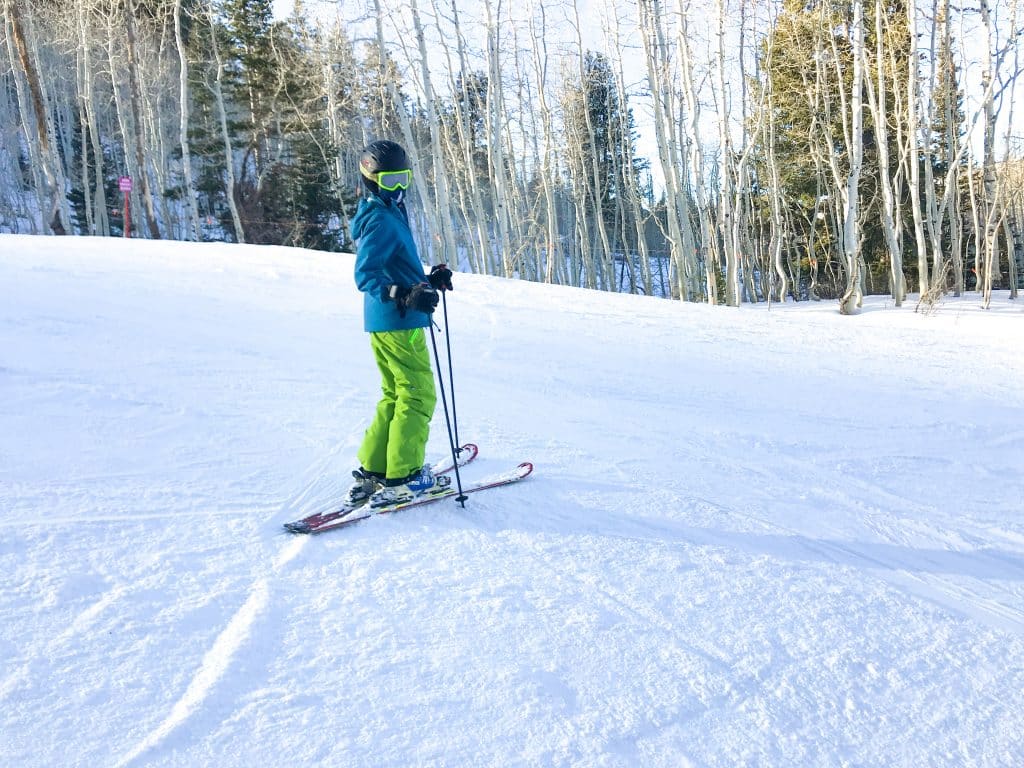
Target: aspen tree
x=527 y=230
x=913 y=155
x=52 y=191
x=390 y=102
x=691 y=119
x=877 y=89
x=727 y=215
x=988 y=236
x=945 y=99
x=98 y=220
x=680 y=235
x=1011 y=186
x=137 y=126
x=15 y=208
x=548 y=167
x=630 y=175
x=216 y=87
x=851 y=299
x=441 y=219
x=776 y=195
x=593 y=174
x=495 y=146
x=461 y=148
x=186 y=152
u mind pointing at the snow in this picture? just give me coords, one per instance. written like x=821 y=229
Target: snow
x=754 y=537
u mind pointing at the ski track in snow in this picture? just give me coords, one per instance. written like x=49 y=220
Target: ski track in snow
x=752 y=537
x=921 y=571
x=217 y=660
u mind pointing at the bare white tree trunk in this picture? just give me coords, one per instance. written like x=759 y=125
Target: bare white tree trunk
x=934 y=212
x=26 y=115
x=554 y=264
x=495 y=148
x=775 y=193
x=186 y=153
x=16 y=211
x=992 y=207
x=217 y=89
x=877 y=90
x=439 y=221
x=50 y=165
x=729 y=176
x=709 y=238
x=938 y=213
x=83 y=165
x=461 y=148
x=913 y=154
x=601 y=264
x=659 y=69
x=950 y=208
x=851 y=299
x=138 y=128
x=1007 y=186
x=522 y=205
x=442 y=216
x=742 y=230
x=100 y=221
x=630 y=180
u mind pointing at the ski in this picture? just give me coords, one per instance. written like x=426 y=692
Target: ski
x=362 y=513
x=310 y=523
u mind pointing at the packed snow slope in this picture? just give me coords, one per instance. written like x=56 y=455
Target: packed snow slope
x=754 y=537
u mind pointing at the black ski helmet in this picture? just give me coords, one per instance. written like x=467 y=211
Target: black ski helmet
x=379 y=156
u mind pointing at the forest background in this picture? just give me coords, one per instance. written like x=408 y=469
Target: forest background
x=799 y=149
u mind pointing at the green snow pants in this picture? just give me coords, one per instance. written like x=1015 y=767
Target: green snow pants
x=396 y=441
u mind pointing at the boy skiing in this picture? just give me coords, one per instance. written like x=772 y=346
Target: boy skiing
x=398 y=301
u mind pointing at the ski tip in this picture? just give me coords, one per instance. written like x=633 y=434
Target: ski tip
x=467 y=452
x=525 y=468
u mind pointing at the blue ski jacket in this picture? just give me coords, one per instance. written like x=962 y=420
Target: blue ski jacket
x=385 y=255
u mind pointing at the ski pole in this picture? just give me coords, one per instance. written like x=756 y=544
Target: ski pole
x=461 y=498
x=451 y=372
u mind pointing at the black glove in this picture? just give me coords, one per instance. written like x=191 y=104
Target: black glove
x=420 y=297
x=440 y=278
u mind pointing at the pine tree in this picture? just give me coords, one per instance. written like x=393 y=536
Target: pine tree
x=805 y=57
x=285 y=189
x=602 y=135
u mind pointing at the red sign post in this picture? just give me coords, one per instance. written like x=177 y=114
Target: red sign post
x=125 y=184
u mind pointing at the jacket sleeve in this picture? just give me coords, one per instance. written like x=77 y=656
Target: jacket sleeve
x=372 y=254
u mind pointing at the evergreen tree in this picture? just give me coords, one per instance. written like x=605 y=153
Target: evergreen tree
x=471 y=98
x=596 y=101
x=805 y=57
x=285 y=189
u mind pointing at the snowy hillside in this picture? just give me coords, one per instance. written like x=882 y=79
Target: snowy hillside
x=753 y=537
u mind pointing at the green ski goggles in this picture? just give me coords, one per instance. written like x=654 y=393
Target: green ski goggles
x=390 y=180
